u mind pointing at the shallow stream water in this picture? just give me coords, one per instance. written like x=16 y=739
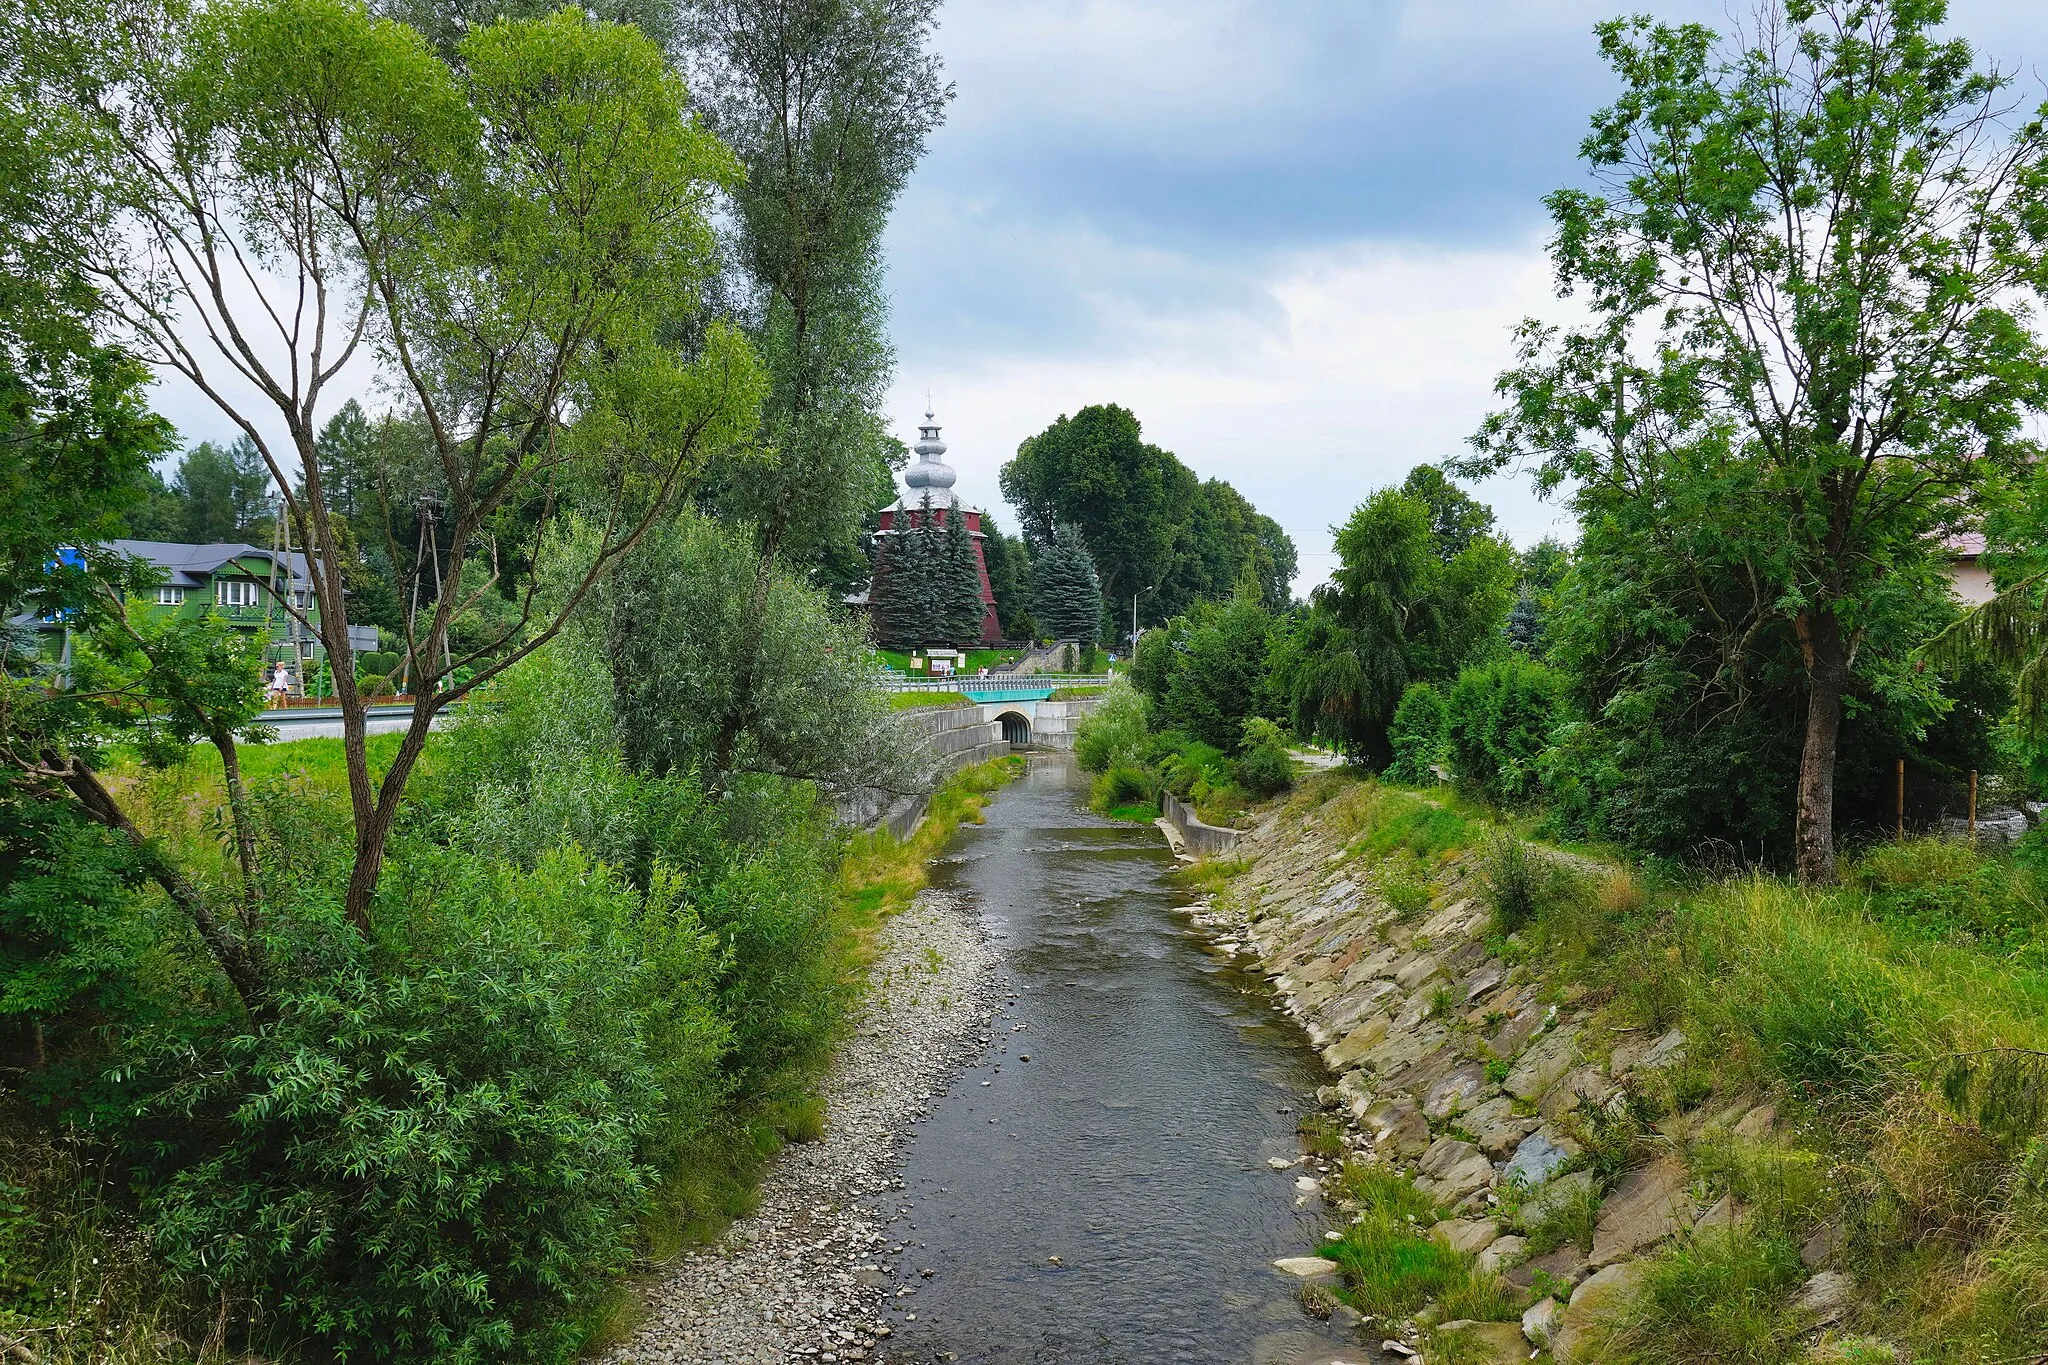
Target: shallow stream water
x=1109 y=1199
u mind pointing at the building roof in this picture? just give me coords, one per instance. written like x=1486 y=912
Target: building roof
x=190 y=566
x=931 y=476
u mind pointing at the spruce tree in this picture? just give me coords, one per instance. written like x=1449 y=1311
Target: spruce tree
x=960 y=586
x=905 y=583
x=1068 y=596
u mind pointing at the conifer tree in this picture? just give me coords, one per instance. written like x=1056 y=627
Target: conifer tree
x=960 y=585
x=1068 y=595
x=902 y=585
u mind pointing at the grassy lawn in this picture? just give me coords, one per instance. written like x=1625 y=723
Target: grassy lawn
x=903 y=701
x=990 y=659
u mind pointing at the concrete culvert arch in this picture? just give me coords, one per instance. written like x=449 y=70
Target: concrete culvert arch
x=1016 y=728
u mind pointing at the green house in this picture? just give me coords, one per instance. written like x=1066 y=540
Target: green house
x=245 y=585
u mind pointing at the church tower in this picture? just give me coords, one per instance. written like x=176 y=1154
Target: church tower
x=931 y=477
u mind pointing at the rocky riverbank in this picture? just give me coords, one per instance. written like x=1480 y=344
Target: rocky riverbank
x=1458 y=1065
x=807 y=1275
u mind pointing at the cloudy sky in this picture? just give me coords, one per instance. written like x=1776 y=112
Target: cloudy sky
x=1291 y=235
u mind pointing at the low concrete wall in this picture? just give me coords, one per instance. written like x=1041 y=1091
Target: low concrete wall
x=1201 y=838
x=1054 y=728
x=956 y=737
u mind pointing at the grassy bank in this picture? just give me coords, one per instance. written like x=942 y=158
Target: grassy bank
x=1886 y=1040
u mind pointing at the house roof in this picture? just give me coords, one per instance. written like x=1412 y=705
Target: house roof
x=191 y=566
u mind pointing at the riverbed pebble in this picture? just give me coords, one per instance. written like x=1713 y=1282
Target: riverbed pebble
x=806 y=1276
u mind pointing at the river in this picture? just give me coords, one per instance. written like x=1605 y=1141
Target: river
x=1095 y=1187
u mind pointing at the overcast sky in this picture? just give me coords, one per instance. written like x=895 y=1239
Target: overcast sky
x=1291 y=235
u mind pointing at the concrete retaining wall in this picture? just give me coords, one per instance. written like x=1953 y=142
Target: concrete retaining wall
x=1054 y=728
x=1201 y=838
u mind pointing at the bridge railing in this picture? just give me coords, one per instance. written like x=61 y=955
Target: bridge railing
x=897 y=682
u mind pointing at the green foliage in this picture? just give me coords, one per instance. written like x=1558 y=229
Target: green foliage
x=1719 y=1297
x=1497 y=722
x=1946 y=891
x=1766 y=474
x=224 y=492
x=1513 y=885
x=1122 y=786
x=1391 y=1267
x=1149 y=523
x=1209 y=678
x=1400 y=608
x=927 y=581
x=1263 y=766
x=1419 y=735
x=1115 y=731
x=440 y=1157
x=1066 y=598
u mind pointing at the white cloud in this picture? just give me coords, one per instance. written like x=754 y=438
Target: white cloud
x=1361 y=361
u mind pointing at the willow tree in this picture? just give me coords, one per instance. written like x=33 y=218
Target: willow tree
x=1809 y=263
x=270 y=192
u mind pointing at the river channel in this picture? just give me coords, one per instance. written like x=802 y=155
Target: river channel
x=1095 y=1186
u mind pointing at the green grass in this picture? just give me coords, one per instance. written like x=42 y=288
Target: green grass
x=1136 y=814
x=904 y=701
x=1076 y=693
x=1392 y=1267
x=977 y=659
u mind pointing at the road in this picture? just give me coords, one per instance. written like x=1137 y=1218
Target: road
x=324 y=722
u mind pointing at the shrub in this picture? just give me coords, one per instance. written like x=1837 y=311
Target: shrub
x=1719 y=1297
x=374 y=685
x=1115 y=731
x=1419 y=735
x=1513 y=885
x=1125 y=784
x=435 y=1151
x=1264 y=768
x=1498 y=721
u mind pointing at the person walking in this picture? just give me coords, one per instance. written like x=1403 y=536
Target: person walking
x=280 y=687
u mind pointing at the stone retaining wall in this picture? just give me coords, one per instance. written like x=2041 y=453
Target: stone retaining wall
x=1471 y=1073
x=1201 y=838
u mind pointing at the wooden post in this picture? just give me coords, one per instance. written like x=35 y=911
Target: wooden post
x=1902 y=798
x=1973 y=806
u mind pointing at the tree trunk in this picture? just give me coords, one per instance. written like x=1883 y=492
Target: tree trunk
x=1820 y=638
x=244 y=822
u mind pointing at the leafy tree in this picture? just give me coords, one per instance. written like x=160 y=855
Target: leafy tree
x=1263 y=766
x=1394 y=612
x=1811 y=266
x=1215 y=679
x=519 y=242
x=1067 y=598
x=1497 y=721
x=827 y=106
x=1456 y=519
x=666 y=617
x=1149 y=523
x=1419 y=734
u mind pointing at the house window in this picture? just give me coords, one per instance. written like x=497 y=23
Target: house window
x=170 y=597
x=234 y=592
x=301 y=598
x=305 y=649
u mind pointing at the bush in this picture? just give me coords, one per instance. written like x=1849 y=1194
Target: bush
x=378 y=661
x=1115 y=731
x=1498 y=721
x=1264 y=768
x=1419 y=735
x=436 y=1150
x=374 y=685
x=1513 y=885
x=1124 y=785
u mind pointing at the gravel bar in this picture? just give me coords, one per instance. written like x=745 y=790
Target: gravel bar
x=806 y=1276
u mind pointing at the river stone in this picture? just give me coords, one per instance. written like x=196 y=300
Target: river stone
x=1583 y=1085
x=1535 y=1161
x=1443 y=1154
x=1496 y=1127
x=1398 y=1125
x=1360 y=1002
x=1757 y=1123
x=1667 y=1051
x=1466 y=1236
x=1415 y=971
x=1646 y=1207
x=1349 y=1052
x=1491 y=1343
x=1483 y=981
x=1597 y=1298
x=1400 y=1050
x=1540 y=1322
x=1822 y=1247
x=1544 y=1065
x=1722 y=1217
x=1380 y=964
x=1566 y=1263
x=1825 y=1298
x=1315 y=971
x=1449 y=1095
x=1508 y=1039
x=1468 y=1175
x=1555 y=1195
x=1315 y=1268
x=1502 y=1253
x=1453 y=921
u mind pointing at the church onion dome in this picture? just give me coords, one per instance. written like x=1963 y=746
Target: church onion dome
x=931 y=474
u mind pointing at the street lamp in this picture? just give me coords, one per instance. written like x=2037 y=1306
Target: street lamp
x=1134 y=618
